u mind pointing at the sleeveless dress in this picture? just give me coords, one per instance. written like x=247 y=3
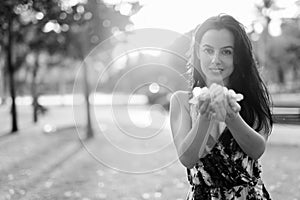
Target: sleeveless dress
x=224 y=172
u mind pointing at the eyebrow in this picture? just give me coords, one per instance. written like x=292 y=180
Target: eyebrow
x=207 y=45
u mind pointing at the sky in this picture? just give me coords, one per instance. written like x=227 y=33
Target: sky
x=183 y=15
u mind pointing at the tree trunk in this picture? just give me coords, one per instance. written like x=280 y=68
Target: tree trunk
x=89 y=129
x=34 y=90
x=3 y=86
x=82 y=46
x=281 y=77
x=11 y=75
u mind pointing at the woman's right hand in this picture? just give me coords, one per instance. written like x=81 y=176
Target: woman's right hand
x=206 y=109
x=218 y=102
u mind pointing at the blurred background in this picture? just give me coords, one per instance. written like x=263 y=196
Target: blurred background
x=83 y=66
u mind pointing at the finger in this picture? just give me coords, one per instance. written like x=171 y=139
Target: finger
x=232 y=102
x=220 y=104
x=212 y=115
x=215 y=88
x=222 y=111
x=231 y=97
x=204 y=106
x=206 y=113
x=219 y=109
x=202 y=98
x=212 y=90
x=231 y=93
x=219 y=93
x=200 y=102
x=235 y=106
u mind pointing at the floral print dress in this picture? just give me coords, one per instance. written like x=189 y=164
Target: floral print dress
x=225 y=172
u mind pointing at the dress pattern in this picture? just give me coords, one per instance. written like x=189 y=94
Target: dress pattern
x=225 y=172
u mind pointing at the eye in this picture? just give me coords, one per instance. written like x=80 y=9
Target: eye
x=227 y=52
x=208 y=50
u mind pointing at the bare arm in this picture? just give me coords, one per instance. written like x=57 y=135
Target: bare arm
x=251 y=142
x=187 y=139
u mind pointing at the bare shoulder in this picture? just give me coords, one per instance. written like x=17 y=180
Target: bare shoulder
x=180 y=99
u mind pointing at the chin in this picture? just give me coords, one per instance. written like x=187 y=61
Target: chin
x=218 y=80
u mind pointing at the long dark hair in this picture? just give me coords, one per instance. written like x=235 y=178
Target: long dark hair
x=245 y=78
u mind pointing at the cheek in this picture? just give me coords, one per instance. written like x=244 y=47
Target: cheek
x=230 y=68
x=205 y=61
x=228 y=62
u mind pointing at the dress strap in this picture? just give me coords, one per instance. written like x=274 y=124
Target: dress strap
x=189 y=176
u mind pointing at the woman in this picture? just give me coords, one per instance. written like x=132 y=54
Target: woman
x=219 y=140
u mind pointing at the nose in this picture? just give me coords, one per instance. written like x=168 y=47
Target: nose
x=216 y=58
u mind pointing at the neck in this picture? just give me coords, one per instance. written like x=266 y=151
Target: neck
x=219 y=82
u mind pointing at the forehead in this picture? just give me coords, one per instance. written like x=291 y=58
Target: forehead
x=218 y=38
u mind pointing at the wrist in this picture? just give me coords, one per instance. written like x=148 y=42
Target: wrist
x=230 y=120
x=205 y=119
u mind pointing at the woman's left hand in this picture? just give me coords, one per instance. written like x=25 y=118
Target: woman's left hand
x=218 y=102
x=224 y=103
x=232 y=108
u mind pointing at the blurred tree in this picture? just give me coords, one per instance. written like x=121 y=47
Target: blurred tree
x=167 y=67
x=63 y=27
x=21 y=24
x=104 y=21
x=8 y=26
x=264 y=9
x=283 y=52
x=278 y=54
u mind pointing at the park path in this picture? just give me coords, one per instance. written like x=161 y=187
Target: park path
x=57 y=165
x=36 y=164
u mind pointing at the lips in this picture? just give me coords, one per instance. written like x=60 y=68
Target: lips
x=216 y=69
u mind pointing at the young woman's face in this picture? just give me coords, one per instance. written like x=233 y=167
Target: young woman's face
x=216 y=55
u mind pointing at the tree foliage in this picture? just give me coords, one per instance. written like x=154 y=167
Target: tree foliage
x=279 y=55
x=69 y=28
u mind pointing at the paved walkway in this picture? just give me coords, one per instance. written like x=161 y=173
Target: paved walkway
x=32 y=169
x=285 y=135
x=61 y=117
